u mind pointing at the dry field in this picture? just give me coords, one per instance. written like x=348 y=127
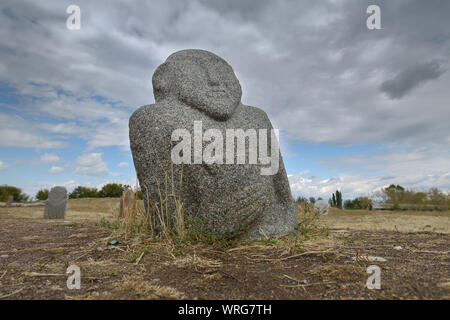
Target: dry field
x=326 y=260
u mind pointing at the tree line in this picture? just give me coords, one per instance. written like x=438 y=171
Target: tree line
x=16 y=193
x=110 y=190
x=397 y=196
x=394 y=197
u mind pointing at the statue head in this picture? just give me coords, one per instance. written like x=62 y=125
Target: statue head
x=199 y=79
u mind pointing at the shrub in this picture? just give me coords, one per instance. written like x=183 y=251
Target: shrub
x=164 y=220
x=336 y=199
x=3 y=195
x=42 y=194
x=112 y=190
x=398 y=197
x=301 y=199
x=309 y=221
x=18 y=196
x=357 y=203
x=84 y=192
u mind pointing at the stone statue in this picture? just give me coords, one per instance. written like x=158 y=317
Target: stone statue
x=234 y=182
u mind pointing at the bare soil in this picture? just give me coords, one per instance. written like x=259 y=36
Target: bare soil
x=35 y=253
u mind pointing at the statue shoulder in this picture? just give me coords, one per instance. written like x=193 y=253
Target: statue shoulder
x=256 y=113
x=152 y=115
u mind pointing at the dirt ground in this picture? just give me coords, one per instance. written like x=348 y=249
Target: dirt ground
x=331 y=264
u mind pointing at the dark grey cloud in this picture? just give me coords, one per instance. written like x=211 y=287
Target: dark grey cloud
x=411 y=78
x=312 y=65
x=244 y=9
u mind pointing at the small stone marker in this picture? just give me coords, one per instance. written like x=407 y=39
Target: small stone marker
x=55 y=207
x=321 y=207
x=126 y=202
x=9 y=201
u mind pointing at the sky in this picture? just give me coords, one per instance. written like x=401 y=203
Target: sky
x=357 y=109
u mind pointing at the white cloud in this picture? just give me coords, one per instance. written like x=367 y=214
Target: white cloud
x=131 y=183
x=123 y=164
x=308 y=64
x=3 y=165
x=70 y=185
x=351 y=185
x=312 y=65
x=18 y=132
x=55 y=170
x=418 y=169
x=48 y=158
x=110 y=134
x=91 y=164
x=63 y=128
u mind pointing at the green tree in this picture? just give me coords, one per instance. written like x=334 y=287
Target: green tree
x=3 y=195
x=439 y=199
x=338 y=199
x=333 y=200
x=83 y=192
x=42 y=194
x=364 y=202
x=112 y=190
x=301 y=199
x=348 y=204
x=357 y=203
x=18 y=196
x=394 y=195
x=312 y=200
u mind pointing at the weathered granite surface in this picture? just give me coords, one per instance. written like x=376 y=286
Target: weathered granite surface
x=227 y=199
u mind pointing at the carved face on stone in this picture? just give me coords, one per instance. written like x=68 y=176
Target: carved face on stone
x=201 y=80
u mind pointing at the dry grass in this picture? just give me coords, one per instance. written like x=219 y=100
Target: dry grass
x=95 y=209
x=161 y=219
x=92 y=204
x=309 y=227
x=309 y=222
x=195 y=261
x=403 y=221
x=136 y=287
x=86 y=209
x=339 y=272
x=312 y=264
x=147 y=290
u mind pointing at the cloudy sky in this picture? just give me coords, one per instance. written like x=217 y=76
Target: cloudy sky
x=358 y=109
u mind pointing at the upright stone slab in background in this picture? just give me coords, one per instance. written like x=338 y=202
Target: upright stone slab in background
x=9 y=201
x=226 y=199
x=55 y=207
x=321 y=207
x=126 y=202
